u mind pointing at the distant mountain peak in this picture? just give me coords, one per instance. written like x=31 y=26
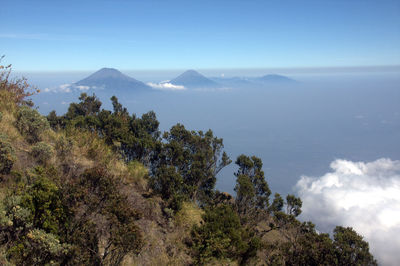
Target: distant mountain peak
x=109 y=70
x=113 y=79
x=191 y=72
x=193 y=79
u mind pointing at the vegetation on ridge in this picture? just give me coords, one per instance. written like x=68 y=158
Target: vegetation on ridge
x=100 y=187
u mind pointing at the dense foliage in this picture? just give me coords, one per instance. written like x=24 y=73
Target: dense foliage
x=100 y=187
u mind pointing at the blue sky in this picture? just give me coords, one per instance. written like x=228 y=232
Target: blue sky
x=151 y=35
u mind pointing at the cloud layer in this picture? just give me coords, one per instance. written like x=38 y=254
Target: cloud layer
x=365 y=196
x=67 y=88
x=166 y=86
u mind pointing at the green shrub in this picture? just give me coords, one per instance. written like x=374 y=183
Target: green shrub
x=31 y=124
x=39 y=248
x=221 y=236
x=42 y=152
x=7 y=155
x=34 y=222
x=1 y=116
x=64 y=146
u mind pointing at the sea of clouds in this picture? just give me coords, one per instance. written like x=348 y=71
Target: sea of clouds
x=363 y=195
x=67 y=88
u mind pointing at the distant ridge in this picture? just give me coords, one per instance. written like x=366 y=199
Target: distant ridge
x=252 y=82
x=234 y=82
x=112 y=79
x=193 y=79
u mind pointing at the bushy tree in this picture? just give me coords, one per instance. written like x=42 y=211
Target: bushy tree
x=146 y=135
x=88 y=106
x=197 y=158
x=350 y=247
x=31 y=124
x=304 y=247
x=293 y=205
x=252 y=190
x=277 y=204
x=221 y=235
x=56 y=122
x=118 y=108
x=168 y=183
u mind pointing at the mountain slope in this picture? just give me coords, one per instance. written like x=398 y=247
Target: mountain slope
x=193 y=79
x=110 y=78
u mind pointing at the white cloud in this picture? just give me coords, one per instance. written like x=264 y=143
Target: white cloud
x=64 y=88
x=67 y=88
x=82 y=88
x=61 y=88
x=365 y=196
x=166 y=86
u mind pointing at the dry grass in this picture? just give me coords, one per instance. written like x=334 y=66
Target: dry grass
x=165 y=245
x=7 y=103
x=8 y=109
x=91 y=146
x=189 y=215
x=137 y=174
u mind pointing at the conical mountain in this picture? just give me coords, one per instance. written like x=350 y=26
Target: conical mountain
x=193 y=79
x=112 y=79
